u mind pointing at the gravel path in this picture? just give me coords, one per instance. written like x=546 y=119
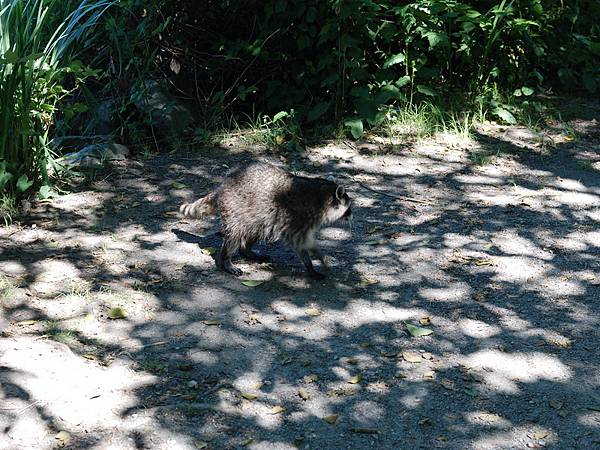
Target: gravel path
x=492 y=245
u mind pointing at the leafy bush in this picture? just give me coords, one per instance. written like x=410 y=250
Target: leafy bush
x=348 y=59
x=36 y=44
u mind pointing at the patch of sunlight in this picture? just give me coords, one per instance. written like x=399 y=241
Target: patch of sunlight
x=367 y=412
x=80 y=392
x=507 y=439
x=561 y=286
x=456 y=292
x=511 y=243
x=12 y=268
x=518 y=269
x=487 y=419
x=503 y=371
x=478 y=329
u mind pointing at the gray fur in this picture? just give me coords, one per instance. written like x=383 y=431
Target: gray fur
x=263 y=203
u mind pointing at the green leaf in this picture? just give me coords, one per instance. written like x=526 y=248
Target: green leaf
x=403 y=81
x=23 y=183
x=316 y=112
x=386 y=93
x=356 y=127
x=47 y=192
x=367 y=108
x=527 y=91
x=505 y=115
x=436 y=38
x=426 y=90
x=280 y=115
x=5 y=177
x=416 y=331
x=396 y=59
x=252 y=283
x=10 y=57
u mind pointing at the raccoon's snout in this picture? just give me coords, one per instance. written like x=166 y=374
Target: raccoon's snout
x=347 y=215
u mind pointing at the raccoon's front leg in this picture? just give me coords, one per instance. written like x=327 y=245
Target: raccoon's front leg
x=305 y=257
x=224 y=258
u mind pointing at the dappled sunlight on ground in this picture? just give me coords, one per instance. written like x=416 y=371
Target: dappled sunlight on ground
x=499 y=260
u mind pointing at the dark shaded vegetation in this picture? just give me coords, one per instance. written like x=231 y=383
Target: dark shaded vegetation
x=325 y=67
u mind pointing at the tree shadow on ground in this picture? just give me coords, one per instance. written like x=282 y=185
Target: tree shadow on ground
x=501 y=263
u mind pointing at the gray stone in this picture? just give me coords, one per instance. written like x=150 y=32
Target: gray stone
x=95 y=155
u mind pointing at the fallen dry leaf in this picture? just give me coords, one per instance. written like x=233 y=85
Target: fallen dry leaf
x=412 y=357
x=556 y=404
x=211 y=322
x=368 y=282
x=331 y=419
x=303 y=394
x=310 y=378
x=448 y=384
x=313 y=312
x=355 y=379
x=277 y=409
x=63 y=437
x=429 y=375
x=425 y=320
x=250 y=396
x=209 y=251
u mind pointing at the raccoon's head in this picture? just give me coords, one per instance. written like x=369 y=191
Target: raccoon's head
x=339 y=208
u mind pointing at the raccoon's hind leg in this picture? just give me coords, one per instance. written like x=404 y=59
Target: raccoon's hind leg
x=247 y=252
x=228 y=248
x=305 y=257
x=315 y=252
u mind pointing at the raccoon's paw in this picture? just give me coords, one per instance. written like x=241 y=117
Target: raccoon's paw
x=231 y=269
x=317 y=275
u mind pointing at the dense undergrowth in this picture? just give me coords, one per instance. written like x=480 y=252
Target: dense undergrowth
x=287 y=67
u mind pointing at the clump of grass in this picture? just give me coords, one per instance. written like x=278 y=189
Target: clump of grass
x=271 y=132
x=8 y=209
x=415 y=122
x=36 y=54
x=7 y=287
x=79 y=288
x=58 y=334
x=481 y=158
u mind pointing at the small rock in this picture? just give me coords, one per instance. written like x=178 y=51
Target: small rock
x=193 y=384
x=95 y=155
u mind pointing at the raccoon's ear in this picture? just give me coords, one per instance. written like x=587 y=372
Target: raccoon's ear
x=330 y=178
x=339 y=192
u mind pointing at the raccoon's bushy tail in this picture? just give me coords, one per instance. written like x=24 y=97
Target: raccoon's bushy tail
x=206 y=206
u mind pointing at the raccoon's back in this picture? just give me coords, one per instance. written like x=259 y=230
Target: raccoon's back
x=264 y=203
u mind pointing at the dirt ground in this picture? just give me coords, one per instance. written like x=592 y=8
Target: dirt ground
x=119 y=333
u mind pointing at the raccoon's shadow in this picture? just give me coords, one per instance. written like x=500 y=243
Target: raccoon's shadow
x=210 y=240
x=276 y=252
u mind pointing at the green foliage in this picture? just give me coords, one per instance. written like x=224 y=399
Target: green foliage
x=360 y=64
x=332 y=60
x=36 y=43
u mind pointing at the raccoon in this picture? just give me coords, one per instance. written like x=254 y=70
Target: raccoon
x=263 y=203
